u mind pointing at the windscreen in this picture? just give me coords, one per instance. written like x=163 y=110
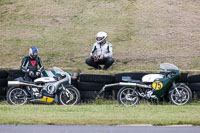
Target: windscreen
x=58 y=70
x=166 y=66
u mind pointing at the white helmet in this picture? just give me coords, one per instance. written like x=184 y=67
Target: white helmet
x=101 y=36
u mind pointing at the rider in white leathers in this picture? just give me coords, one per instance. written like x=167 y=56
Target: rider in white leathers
x=101 y=53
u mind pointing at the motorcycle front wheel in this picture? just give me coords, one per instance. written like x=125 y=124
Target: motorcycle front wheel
x=128 y=96
x=180 y=96
x=17 y=96
x=70 y=97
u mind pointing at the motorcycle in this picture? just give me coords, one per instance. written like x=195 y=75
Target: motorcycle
x=154 y=87
x=56 y=88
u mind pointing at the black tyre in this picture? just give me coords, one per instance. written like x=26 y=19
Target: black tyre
x=183 y=78
x=133 y=76
x=183 y=96
x=70 y=97
x=3 y=83
x=88 y=94
x=13 y=74
x=3 y=74
x=93 y=94
x=97 y=78
x=128 y=96
x=90 y=86
x=3 y=93
x=194 y=86
x=74 y=82
x=17 y=96
x=198 y=94
x=194 y=79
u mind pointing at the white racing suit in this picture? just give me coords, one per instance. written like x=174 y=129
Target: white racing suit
x=97 y=50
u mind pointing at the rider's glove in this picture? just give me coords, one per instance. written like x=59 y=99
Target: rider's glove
x=27 y=70
x=31 y=74
x=38 y=73
x=94 y=58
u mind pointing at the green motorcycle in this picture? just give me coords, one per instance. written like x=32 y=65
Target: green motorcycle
x=156 y=86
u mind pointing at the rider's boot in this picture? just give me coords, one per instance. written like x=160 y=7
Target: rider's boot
x=30 y=92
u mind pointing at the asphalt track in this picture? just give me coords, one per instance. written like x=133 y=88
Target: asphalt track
x=97 y=129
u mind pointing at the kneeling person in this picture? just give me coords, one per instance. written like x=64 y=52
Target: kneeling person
x=101 y=53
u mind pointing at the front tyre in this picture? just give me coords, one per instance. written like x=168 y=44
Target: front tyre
x=70 y=97
x=128 y=96
x=180 y=96
x=17 y=96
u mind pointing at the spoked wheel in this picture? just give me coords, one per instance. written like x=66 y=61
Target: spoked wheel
x=17 y=96
x=180 y=96
x=70 y=97
x=128 y=96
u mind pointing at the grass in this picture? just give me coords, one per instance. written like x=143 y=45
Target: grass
x=144 y=33
x=101 y=113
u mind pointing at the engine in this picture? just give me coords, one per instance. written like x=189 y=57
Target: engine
x=49 y=88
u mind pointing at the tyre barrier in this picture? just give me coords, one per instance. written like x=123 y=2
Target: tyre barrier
x=13 y=74
x=74 y=82
x=3 y=74
x=194 y=79
x=3 y=84
x=106 y=79
x=85 y=95
x=195 y=88
x=90 y=86
x=183 y=78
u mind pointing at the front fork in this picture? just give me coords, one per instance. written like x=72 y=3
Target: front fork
x=67 y=91
x=175 y=87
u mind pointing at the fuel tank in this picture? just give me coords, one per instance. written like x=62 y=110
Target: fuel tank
x=45 y=80
x=149 y=78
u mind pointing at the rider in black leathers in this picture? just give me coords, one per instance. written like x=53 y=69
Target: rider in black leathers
x=30 y=65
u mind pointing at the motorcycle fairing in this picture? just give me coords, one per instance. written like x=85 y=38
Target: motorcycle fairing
x=47 y=99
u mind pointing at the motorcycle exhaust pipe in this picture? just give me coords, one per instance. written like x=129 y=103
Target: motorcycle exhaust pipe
x=18 y=83
x=123 y=84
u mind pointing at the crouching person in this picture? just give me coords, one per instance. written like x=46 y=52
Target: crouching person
x=101 y=53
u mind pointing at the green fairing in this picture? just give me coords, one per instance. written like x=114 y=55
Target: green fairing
x=167 y=83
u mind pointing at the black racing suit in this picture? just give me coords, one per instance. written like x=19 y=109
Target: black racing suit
x=28 y=65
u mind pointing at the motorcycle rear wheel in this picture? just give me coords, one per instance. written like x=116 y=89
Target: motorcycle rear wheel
x=65 y=98
x=184 y=97
x=128 y=96
x=17 y=96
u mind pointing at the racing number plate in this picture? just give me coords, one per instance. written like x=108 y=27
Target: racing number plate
x=157 y=85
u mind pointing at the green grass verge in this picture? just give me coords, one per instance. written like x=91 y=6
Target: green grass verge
x=144 y=33
x=100 y=113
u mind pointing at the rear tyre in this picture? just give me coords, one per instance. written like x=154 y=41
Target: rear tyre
x=183 y=96
x=17 y=96
x=128 y=96
x=71 y=98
